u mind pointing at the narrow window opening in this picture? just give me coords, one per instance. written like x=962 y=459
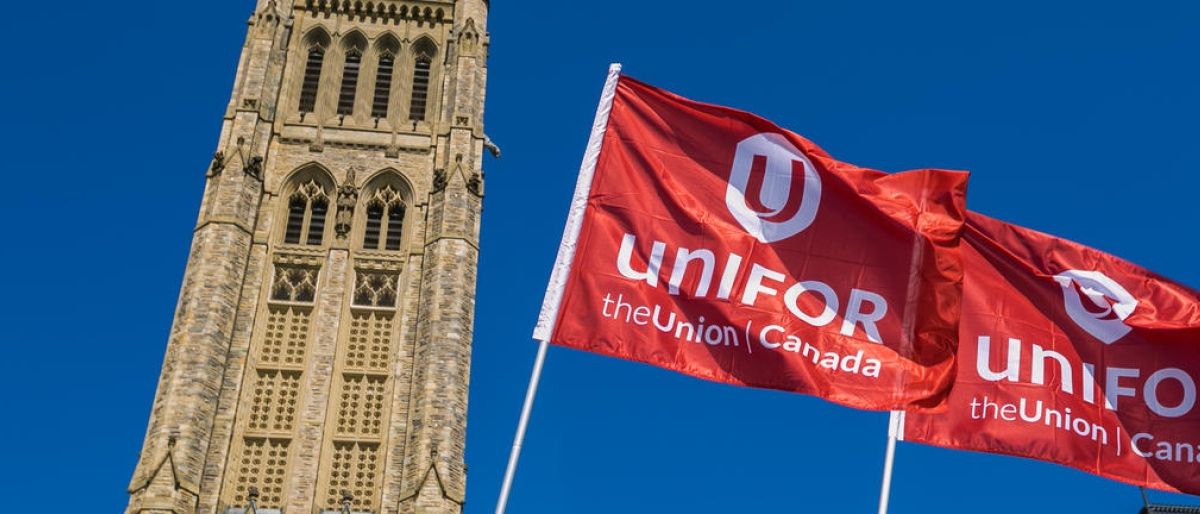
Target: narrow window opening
x=420 y=89
x=316 y=225
x=395 y=226
x=312 y=80
x=383 y=86
x=374 y=224
x=295 y=222
x=349 y=82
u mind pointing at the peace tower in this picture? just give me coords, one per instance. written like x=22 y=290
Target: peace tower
x=320 y=352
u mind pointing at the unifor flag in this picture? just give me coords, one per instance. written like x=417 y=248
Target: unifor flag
x=709 y=241
x=1073 y=356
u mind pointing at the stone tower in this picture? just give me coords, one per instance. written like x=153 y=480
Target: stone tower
x=320 y=351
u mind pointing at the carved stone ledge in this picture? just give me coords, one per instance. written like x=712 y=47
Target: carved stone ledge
x=379 y=261
x=299 y=256
x=384 y=11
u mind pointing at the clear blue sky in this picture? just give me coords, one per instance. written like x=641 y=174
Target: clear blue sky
x=1078 y=118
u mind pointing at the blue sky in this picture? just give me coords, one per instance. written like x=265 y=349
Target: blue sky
x=1076 y=118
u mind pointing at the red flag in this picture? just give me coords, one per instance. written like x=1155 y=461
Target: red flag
x=1071 y=355
x=711 y=242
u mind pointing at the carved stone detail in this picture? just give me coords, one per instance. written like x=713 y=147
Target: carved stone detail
x=439 y=180
x=294 y=284
x=346 y=200
x=491 y=146
x=218 y=164
x=254 y=168
x=475 y=184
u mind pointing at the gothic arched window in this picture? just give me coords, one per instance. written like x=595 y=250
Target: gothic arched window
x=307 y=210
x=349 y=81
x=385 y=220
x=383 y=85
x=317 y=41
x=387 y=48
x=353 y=46
x=423 y=53
x=312 y=79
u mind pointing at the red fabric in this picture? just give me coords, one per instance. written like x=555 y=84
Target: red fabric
x=664 y=176
x=1011 y=294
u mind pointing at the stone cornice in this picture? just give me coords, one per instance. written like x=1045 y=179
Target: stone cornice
x=430 y=11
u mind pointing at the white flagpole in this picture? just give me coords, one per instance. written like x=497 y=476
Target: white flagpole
x=895 y=429
x=562 y=266
x=524 y=422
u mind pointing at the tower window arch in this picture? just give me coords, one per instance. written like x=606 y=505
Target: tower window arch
x=312 y=79
x=354 y=46
x=387 y=48
x=423 y=54
x=308 y=208
x=310 y=83
x=349 y=81
x=385 y=220
x=383 y=85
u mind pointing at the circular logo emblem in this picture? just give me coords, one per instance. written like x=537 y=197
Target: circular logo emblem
x=774 y=190
x=1096 y=303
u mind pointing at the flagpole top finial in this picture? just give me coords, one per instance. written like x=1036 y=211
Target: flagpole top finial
x=614 y=67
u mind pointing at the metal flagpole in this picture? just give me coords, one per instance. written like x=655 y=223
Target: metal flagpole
x=562 y=266
x=889 y=460
x=524 y=422
x=1146 y=500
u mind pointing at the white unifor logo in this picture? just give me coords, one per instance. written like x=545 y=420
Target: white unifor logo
x=1096 y=303
x=774 y=190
